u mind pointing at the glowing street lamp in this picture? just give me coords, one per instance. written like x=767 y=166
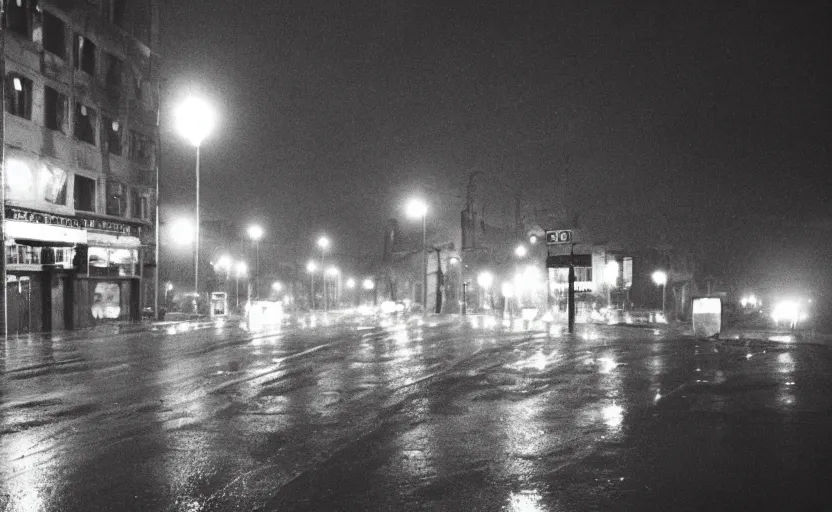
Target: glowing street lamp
x=416 y=208
x=194 y=120
x=368 y=284
x=520 y=251
x=350 y=283
x=182 y=231
x=533 y=239
x=485 y=280
x=277 y=286
x=660 y=278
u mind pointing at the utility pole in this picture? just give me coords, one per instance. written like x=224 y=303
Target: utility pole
x=3 y=295
x=571 y=298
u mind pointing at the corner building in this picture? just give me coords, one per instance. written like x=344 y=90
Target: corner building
x=80 y=156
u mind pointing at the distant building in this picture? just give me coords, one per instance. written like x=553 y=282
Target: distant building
x=80 y=156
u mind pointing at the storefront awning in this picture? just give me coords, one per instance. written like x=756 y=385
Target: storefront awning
x=44 y=232
x=107 y=240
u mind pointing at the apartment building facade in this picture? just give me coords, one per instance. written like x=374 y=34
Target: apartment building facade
x=80 y=140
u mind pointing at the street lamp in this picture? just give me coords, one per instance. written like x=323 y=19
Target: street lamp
x=660 y=278
x=195 y=120
x=255 y=232
x=417 y=208
x=368 y=284
x=350 y=283
x=182 y=231
x=311 y=268
x=521 y=251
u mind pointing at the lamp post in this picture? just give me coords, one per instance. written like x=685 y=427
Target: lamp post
x=195 y=120
x=335 y=273
x=611 y=277
x=417 y=208
x=311 y=267
x=255 y=232
x=660 y=278
x=242 y=268
x=323 y=243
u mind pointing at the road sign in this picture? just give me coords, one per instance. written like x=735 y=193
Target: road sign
x=561 y=236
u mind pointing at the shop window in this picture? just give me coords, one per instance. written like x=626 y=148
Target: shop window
x=140 y=205
x=112 y=261
x=84 y=55
x=54 y=109
x=112 y=135
x=23 y=255
x=84 y=194
x=19 y=96
x=142 y=149
x=54 y=35
x=583 y=274
x=116 y=199
x=18 y=17
x=85 y=123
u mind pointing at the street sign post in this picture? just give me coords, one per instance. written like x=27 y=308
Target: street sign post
x=560 y=236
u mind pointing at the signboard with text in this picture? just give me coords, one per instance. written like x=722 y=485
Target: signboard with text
x=560 y=236
x=35 y=217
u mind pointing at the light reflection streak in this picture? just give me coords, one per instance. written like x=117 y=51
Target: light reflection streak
x=613 y=416
x=525 y=501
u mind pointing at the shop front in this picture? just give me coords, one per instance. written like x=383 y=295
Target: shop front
x=69 y=272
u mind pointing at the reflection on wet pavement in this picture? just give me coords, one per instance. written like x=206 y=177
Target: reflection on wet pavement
x=403 y=414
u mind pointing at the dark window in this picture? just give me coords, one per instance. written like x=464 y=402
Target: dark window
x=54 y=109
x=19 y=96
x=85 y=123
x=140 y=208
x=18 y=17
x=142 y=148
x=112 y=135
x=54 y=35
x=84 y=194
x=84 y=55
x=116 y=199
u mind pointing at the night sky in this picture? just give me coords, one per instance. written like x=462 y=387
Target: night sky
x=706 y=125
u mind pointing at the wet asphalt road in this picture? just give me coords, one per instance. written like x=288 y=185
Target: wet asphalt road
x=402 y=416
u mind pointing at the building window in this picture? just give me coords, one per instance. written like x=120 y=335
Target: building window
x=583 y=274
x=19 y=96
x=84 y=55
x=84 y=194
x=31 y=255
x=142 y=149
x=140 y=205
x=54 y=110
x=18 y=17
x=54 y=35
x=116 y=199
x=85 y=123
x=112 y=135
